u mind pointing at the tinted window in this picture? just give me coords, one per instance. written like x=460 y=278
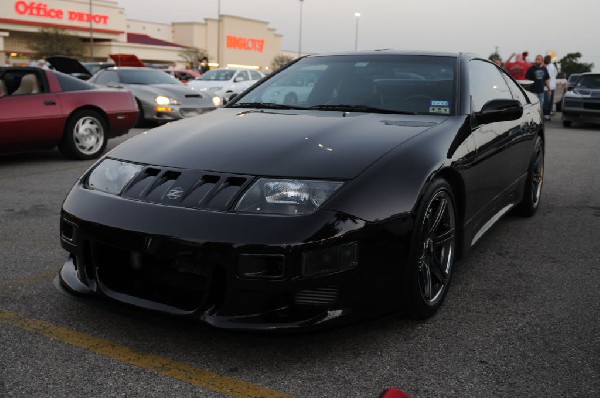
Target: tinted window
x=70 y=83
x=145 y=76
x=387 y=82
x=516 y=90
x=106 y=77
x=588 y=81
x=486 y=84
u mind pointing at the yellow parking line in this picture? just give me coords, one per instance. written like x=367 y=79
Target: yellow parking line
x=22 y=282
x=163 y=366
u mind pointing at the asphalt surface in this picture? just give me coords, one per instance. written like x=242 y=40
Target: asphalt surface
x=522 y=318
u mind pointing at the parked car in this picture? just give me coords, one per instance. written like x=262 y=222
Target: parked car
x=291 y=89
x=582 y=104
x=184 y=75
x=355 y=202
x=572 y=80
x=161 y=98
x=226 y=82
x=42 y=108
x=561 y=89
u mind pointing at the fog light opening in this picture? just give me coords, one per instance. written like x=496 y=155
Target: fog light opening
x=330 y=260
x=261 y=266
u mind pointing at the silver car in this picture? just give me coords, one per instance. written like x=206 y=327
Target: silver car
x=226 y=82
x=161 y=98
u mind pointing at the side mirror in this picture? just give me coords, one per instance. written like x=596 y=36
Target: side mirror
x=499 y=110
x=238 y=79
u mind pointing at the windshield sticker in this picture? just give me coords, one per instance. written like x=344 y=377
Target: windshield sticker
x=439 y=106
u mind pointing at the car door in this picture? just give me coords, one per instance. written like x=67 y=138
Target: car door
x=501 y=145
x=29 y=118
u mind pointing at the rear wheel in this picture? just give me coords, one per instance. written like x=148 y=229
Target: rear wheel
x=533 y=184
x=85 y=135
x=432 y=251
x=567 y=123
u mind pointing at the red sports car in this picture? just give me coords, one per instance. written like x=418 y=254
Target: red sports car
x=41 y=108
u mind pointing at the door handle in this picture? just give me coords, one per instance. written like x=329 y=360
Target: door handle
x=49 y=102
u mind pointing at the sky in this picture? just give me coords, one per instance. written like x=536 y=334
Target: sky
x=475 y=26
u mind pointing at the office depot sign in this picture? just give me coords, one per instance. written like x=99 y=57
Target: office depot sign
x=41 y=10
x=244 y=43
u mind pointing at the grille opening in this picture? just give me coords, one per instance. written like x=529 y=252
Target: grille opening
x=143 y=182
x=176 y=281
x=67 y=231
x=322 y=296
x=162 y=186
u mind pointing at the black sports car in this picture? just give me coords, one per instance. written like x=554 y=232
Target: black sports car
x=355 y=201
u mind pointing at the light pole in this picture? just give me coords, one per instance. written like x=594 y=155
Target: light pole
x=357 y=15
x=218 y=32
x=300 y=34
x=91 y=35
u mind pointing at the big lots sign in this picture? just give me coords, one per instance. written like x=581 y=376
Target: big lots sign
x=38 y=9
x=244 y=43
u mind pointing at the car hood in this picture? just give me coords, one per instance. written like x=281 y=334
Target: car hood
x=308 y=144
x=67 y=65
x=583 y=93
x=177 y=91
x=209 y=83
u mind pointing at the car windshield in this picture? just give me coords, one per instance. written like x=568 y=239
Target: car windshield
x=589 y=81
x=383 y=83
x=218 y=74
x=146 y=76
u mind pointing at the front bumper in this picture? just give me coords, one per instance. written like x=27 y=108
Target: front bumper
x=186 y=262
x=170 y=113
x=585 y=110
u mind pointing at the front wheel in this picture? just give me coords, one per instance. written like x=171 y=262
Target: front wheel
x=567 y=123
x=432 y=254
x=85 y=135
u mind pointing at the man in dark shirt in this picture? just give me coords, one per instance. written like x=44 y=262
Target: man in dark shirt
x=540 y=77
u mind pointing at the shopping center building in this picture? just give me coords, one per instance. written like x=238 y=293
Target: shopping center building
x=105 y=29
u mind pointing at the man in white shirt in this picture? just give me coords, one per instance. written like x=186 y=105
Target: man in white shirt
x=549 y=100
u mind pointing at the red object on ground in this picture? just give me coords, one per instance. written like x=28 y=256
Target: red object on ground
x=517 y=69
x=394 y=393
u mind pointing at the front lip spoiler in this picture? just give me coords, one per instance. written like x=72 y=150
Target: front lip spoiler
x=281 y=319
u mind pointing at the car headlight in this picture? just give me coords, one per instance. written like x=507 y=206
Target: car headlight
x=112 y=175
x=162 y=100
x=217 y=101
x=287 y=197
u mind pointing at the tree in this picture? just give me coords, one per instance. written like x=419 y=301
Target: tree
x=279 y=61
x=191 y=56
x=570 y=64
x=494 y=56
x=54 y=41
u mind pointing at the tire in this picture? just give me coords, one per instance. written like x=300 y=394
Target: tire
x=432 y=251
x=567 y=123
x=141 y=120
x=534 y=182
x=85 y=135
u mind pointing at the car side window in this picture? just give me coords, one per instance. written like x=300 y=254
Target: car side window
x=106 y=77
x=516 y=90
x=242 y=76
x=254 y=75
x=486 y=84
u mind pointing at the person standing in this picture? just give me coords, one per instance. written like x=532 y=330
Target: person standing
x=203 y=66
x=552 y=72
x=540 y=77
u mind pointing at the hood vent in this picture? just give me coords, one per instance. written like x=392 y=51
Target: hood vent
x=187 y=188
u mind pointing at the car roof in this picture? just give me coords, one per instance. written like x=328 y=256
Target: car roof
x=398 y=52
